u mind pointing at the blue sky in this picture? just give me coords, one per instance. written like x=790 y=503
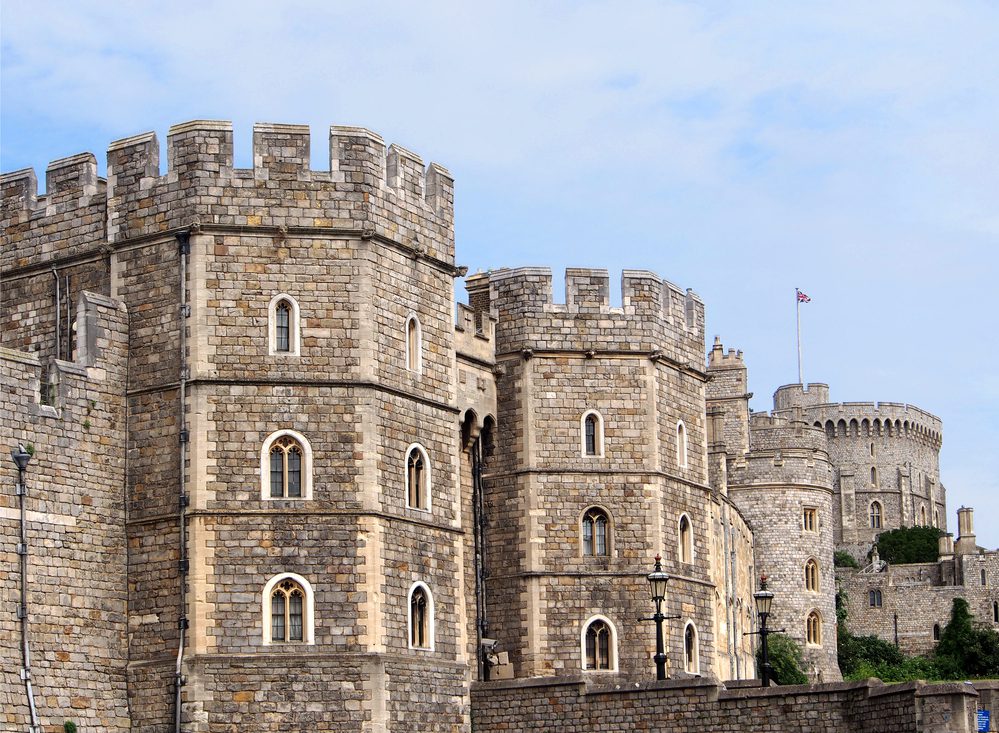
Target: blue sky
x=740 y=149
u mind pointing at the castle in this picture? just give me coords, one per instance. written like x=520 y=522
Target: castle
x=275 y=484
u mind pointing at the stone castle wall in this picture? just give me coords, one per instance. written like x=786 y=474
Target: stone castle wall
x=684 y=705
x=76 y=585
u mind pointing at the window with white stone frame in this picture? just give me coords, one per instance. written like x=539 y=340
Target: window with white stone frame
x=288 y=610
x=417 y=478
x=283 y=337
x=420 y=618
x=414 y=344
x=591 y=434
x=285 y=466
x=598 y=645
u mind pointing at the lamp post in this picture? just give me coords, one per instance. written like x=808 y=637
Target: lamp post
x=657 y=584
x=763 y=599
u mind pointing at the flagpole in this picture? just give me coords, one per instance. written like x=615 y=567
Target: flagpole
x=797 y=314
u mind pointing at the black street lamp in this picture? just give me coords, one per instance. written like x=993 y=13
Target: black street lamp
x=763 y=600
x=657 y=584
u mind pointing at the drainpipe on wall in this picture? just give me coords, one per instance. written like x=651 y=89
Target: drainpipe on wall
x=21 y=458
x=481 y=627
x=183 y=250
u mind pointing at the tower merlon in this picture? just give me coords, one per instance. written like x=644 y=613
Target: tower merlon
x=19 y=191
x=280 y=151
x=587 y=288
x=76 y=174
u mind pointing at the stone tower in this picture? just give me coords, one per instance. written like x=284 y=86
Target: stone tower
x=887 y=461
x=600 y=463
x=779 y=476
x=294 y=512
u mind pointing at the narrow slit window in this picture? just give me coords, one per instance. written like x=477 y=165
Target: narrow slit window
x=417 y=479
x=282 y=327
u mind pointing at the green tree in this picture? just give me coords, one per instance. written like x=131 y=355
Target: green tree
x=785 y=658
x=909 y=544
x=843 y=559
x=967 y=648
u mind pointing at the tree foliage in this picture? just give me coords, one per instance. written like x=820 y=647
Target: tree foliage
x=843 y=559
x=967 y=648
x=909 y=544
x=785 y=659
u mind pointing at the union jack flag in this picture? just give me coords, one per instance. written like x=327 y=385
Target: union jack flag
x=802 y=298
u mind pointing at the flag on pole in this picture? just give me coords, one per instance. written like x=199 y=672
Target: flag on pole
x=802 y=298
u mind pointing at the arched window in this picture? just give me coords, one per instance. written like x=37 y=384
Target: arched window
x=681 y=444
x=872 y=450
x=875 y=515
x=812 y=575
x=596 y=533
x=421 y=617
x=599 y=645
x=592 y=434
x=286 y=466
x=813 y=628
x=983 y=576
x=936 y=518
x=686 y=540
x=417 y=478
x=414 y=346
x=691 y=655
x=936 y=632
x=288 y=610
x=874 y=476
x=874 y=598
x=282 y=326
x=922 y=516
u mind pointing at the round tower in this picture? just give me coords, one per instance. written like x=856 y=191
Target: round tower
x=886 y=458
x=783 y=485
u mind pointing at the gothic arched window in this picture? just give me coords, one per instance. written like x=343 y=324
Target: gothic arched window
x=286 y=466
x=686 y=540
x=288 y=610
x=282 y=329
x=813 y=628
x=417 y=478
x=691 y=655
x=599 y=646
x=876 y=515
x=812 y=575
x=596 y=533
x=421 y=617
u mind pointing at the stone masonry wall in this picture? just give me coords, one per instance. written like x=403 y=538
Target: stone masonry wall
x=76 y=539
x=684 y=705
x=786 y=471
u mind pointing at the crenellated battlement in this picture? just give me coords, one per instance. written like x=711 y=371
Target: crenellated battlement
x=654 y=316
x=718 y=358
x=867 y=419
x=368 y=188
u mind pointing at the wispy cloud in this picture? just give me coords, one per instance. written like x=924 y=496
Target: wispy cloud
x=739 y=148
